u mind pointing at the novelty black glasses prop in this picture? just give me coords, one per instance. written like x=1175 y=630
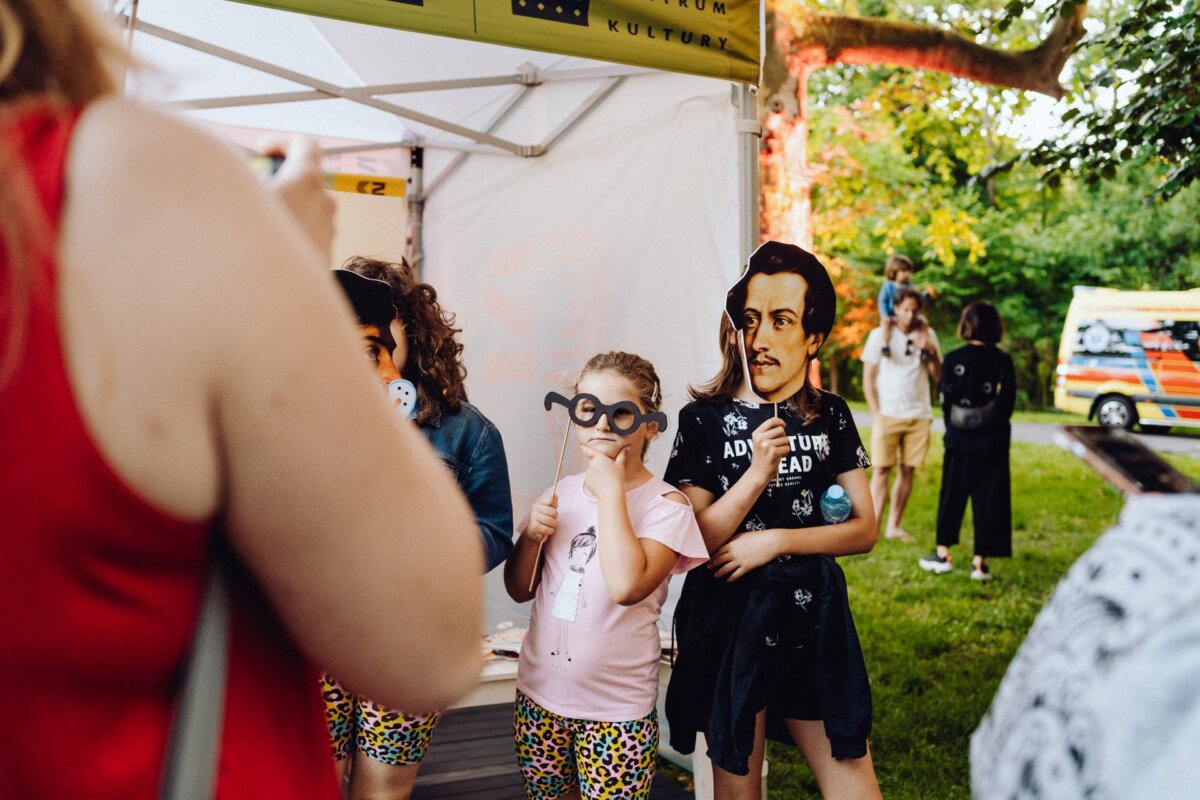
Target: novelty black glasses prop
x=623 y=417
x=585 y=411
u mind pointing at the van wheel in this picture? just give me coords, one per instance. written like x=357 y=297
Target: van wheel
x=1115 y=411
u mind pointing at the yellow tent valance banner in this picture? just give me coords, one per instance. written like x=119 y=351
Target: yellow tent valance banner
x=715 y=38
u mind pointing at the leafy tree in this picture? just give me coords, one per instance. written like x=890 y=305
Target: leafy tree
x=802 y=38
x=886 y=168
x=916 y=160
x=904 y=151
x=1138 y=98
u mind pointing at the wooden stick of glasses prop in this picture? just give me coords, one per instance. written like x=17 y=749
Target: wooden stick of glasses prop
x=553 y=494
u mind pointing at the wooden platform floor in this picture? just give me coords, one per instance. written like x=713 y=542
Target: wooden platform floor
x=471 y=757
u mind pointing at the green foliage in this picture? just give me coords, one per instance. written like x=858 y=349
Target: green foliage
x=1046 y=242
x=919 y=163
x=1140 y=98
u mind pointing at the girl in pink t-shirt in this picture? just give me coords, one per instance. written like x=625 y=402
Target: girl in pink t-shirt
x=587 y=682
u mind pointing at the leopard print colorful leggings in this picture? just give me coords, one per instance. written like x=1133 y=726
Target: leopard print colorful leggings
x=606 y=759
x=390 y=737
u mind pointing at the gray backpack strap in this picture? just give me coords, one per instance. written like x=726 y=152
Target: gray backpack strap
x=191 y=762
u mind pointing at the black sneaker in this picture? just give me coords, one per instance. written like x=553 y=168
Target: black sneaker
x=935 y=563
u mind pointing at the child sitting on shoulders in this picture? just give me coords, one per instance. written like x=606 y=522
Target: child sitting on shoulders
x=897 y=272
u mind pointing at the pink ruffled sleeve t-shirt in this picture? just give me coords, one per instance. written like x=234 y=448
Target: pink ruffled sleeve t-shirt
x=586 y=656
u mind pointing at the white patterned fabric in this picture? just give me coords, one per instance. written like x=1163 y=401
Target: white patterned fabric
x=1102 y=701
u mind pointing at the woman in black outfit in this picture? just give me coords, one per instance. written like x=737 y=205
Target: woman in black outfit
x=978 y=391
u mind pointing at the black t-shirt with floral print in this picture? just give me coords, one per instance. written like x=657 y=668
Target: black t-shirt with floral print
x=713 y=449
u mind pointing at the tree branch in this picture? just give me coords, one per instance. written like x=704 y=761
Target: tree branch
x=805 y=40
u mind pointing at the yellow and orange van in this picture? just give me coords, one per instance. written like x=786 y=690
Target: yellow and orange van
x=1131 y=358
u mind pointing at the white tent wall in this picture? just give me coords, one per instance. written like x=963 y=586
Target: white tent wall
x=623 y=241
x=624 y=235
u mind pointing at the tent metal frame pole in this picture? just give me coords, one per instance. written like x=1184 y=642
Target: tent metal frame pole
x=132 y=13
x=509 y=105
x=581 y=111
x=526 y=77
x=428 y=144
x=240 y=101
x=331 y=89
x=750 y=130
x=585 y=108
x=520 y=78
x=237 y=101
x=415 y=237
x=128 y=18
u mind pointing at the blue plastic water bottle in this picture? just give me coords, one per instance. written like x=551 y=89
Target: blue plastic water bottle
x=835 y=505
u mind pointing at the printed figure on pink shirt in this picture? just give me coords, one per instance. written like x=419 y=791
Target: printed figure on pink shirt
x=610 y=538
x=583 y=547
x=569 y=598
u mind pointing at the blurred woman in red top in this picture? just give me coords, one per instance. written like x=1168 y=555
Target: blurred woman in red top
x=174 y=360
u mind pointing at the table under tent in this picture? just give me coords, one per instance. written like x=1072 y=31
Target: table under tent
x=561 y=206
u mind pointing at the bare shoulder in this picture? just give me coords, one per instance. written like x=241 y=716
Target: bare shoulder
x=143 y=269
x=170 y=256
x=131 y=165
x=134 y=137
x=142 y=165
x=677 y=497
x=171 y=208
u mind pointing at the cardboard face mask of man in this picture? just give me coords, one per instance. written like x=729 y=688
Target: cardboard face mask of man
x=782 y=309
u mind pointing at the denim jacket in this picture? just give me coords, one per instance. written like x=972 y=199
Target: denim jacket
x=470 y=446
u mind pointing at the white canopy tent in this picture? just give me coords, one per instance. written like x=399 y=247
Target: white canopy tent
x=565 y=206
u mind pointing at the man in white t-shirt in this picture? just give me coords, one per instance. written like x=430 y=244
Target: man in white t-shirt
x=897 y=388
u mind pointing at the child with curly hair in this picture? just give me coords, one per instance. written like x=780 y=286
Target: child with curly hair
x=382 y=748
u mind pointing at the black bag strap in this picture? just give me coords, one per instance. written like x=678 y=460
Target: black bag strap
x=191 y=762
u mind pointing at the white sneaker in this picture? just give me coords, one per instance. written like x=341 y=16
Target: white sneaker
x=981 y=573
x=935 y=563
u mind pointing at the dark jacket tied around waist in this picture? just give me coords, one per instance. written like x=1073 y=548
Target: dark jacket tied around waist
x=743 y=644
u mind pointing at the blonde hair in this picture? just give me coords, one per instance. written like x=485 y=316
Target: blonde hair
x=635 y=369
x=55 y=48
x=55 y=52
x=12 y=41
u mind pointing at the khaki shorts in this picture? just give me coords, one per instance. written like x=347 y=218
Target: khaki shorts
x=899 y=441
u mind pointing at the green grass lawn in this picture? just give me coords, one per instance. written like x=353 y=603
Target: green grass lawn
x=937 y=645
x=1052 y=416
